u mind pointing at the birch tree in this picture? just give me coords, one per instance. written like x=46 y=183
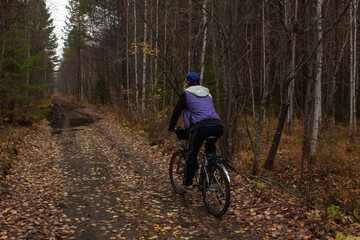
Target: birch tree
x=204 y=43
x=353 y=66
x=317 y=96
x=317 y=84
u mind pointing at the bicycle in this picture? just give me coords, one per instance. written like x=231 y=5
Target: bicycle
x=214 y=180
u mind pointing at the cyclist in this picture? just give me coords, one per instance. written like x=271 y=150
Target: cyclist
x=200 y=120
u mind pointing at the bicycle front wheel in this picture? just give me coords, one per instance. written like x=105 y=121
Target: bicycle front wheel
x=216 y=190
x=176 y=172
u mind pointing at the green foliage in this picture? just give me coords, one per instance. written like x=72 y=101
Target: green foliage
x=76 y=25
x=100 y=93
x=209 y=76
x=18 y=68
x=341 y=236
x=356 y=214
x=139 y=133
x=334 y=212
x=259 y=184
x=30 y=46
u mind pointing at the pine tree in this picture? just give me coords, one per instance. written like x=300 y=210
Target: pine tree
x=27 y=46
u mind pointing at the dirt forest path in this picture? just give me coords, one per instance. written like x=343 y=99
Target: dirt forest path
x=114 y=185
x=120 y=189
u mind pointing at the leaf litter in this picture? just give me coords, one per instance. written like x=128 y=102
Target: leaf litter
x=103 y=182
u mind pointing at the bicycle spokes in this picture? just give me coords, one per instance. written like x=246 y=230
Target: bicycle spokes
x=216 y=191
x=213 y=182
x=176 y=172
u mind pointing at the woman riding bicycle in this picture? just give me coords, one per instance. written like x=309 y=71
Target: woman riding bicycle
x=200 y=120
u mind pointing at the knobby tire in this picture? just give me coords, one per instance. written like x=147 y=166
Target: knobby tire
x=216 y=190
x=176 y=172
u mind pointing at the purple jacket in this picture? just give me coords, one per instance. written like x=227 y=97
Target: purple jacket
x=198 y=107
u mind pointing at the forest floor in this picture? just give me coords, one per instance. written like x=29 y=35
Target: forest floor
x=81 y=176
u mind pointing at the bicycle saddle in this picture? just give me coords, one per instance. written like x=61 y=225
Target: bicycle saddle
x=212 y=138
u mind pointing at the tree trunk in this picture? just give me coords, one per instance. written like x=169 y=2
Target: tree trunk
x=307 y=120
x=79 y=70
x=204 y=41
x=317 y=99
x=287 y=95
x=135 y=58
x=269 y=163
x=249 y=56
x=189 y=37
x=28 y=56
x=165 y=53
x=127 y=54
x=265 y=94
x=227 y=145
x=356 y=7
x=332 y=112
x=353 y=67
x=216 y=74
x=317 y=84
x=2 y=55
x=251 y=80
x=291 y=88
x=3 y=23
x=144 y=63
x=156 y=57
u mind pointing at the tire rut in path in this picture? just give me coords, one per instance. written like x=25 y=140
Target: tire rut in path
x=90 y=206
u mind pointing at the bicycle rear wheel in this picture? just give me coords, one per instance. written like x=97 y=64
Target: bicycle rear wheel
x=176 y=172
x=216 y=190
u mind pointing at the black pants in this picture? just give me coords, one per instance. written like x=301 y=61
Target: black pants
x=197 y=138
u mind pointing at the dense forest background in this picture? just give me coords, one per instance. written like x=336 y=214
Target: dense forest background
x=27 y=57
x=274 y=68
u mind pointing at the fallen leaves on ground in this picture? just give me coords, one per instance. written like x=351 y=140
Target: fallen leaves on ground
x=103 y=182
x=32 y=209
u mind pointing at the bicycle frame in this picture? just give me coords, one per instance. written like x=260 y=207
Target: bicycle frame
x=213 y=181
x=184 y=145
x=205 y=164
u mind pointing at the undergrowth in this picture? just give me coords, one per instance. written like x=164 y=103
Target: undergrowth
x=13 y=130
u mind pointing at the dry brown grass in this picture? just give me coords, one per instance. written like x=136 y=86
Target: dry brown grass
x=344 y=190
x=10 y=139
